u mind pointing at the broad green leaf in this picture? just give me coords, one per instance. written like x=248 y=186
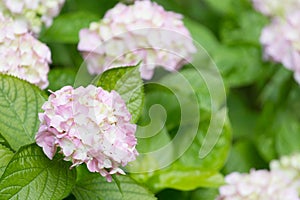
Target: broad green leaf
x=5 y=156
x=171 y=5
x=205 y=194
x=201 y=35
x=128 y=83
x=239 y=56
x=240 y=30
x=164 y=105
x=31 y=175
x=221 y=6
x=288 y=135
x=265 y=144
x=199 y=194
x=2 y=140
x=188 y=171
x=239 y=65
x=242 y=117
x=288 y=124
x=243 y=157
x=66 y=27
x=93 y=6
x=65 y=55
x=93 y=186
x=216 y=158
x=194 y=9
x=60 y=77
x=185 y=179
x=278 y=131
x=20 y=103
x=278 y=86
x=173 y=194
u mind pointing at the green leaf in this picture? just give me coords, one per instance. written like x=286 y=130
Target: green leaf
x=93 y=6
x=288 y=135
x=184 y=179
x=31 y=175
x=239 y=65
x=2 y=140
x=189 y=171
x=173 y=194
x=205 y=194
x=199 y=194
x=239 y=55
x=240 y=30
x=117 y=181
x=20 y=103
x=66 y=27
x=177 y=95
x=5 y=156
x=128 y=83
x=221 y=6
x=60 y=77
x=278 y=131
x=93 y=186
x=65 y=55
x=243 y=157
x=242 y=117
x=201 y=34
x=278 y=86
x=287 y=124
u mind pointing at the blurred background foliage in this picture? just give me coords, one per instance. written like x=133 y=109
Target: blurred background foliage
x=262 y=97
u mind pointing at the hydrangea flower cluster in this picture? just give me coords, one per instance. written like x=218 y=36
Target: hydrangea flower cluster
x=287 y=162
x=290 y=165
x=281 y=38
x=143 y=32
x=21 y=54
x=260 y=184
x=33 y=12
x=89 y=125
x=275 y=8
x=281 y=182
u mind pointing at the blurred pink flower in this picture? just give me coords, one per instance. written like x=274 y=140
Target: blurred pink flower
x=290 y=165
x=281 y=42
x=143 y=32
x=89 y=125
x=259 y=185
x=33 y=12
x=21 y=54
x=275 y=8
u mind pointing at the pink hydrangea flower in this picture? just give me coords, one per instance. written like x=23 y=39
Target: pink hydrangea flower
x=290 y=165
x=259 y=185
x=143 y=32
x=89 y=125
x=21 y=54
x=281 y=42
x=276 y=7
x=33 y=12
